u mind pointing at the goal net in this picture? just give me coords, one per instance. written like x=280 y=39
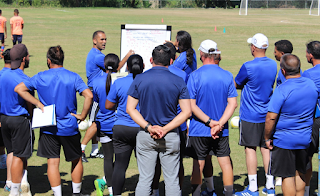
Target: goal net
x=313 y=5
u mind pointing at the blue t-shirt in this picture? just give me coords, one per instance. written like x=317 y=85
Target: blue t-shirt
x=158 y=91
x=1 y=72
x=314 y=74
x=181 y=62
x=257 y=77
x=94 y=65
x=118 y=94
x=294 y=100
x=210 y=86
x=105 y=117
x=11 y=103
x=281 y=79
x=59 y=86
x=183 y=75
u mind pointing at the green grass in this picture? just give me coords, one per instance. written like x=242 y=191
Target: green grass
x=72 y=28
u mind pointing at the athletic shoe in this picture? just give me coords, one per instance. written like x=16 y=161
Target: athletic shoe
x=207 y=193
x=100 y=185
x=269 y=192
x=84 y=158
x=247 y=192
x=6 y=188
x=98 y=155
x=278 y=181
x=3 y=161
x=25 y=189
x=79 y=194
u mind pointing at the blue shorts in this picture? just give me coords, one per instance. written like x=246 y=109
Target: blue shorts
x=2 y=37
x=17 y=38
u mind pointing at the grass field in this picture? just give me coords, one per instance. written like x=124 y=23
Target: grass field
x=72 y=28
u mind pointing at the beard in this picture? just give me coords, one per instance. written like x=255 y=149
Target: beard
x=26 y=64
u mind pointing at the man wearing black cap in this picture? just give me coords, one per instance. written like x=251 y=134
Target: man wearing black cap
x=15 y=124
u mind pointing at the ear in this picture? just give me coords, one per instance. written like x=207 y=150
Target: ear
x=49 y=61
x=94 y=41
x=171 y=61
x=283 y=71
x=282 y=53
x=24 y=59
x=151 y=60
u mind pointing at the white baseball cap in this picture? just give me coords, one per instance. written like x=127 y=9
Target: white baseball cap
x=259 y=40
x=207 y=45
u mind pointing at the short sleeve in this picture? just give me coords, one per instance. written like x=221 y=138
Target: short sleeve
x=306 y=74
x=79 y=84
x=22 y=22
x=184 y=94
x=99 y=61
x=192 y=87
x=112 y=95
x=242 y=77
x=180 y=62
x=276 y=102
x=133 y=90
x=232 y=91
x=31 y=83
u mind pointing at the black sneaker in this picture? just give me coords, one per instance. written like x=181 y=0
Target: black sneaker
x=98 y=155
x=84 y=158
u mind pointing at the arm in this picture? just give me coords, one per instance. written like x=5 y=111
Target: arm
x=11 y=29
x=86 y=105
x=5 y=30
x=269 y=127
x=109 y=105
x=124 y=60
x=23 y=92
x=22 y=25
x=201 y=115
x=237 y=85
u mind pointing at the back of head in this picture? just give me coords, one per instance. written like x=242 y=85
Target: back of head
x=16 y=11
x=291 y=64
x=111 y=64
x=210 y=50
x=314 y=49
x=135 y=64
x=6 y=56
x=185 y=44
x=17 y=53
x=96 y=33
x=56 y=55
x=161 y=55
x=172 y=50
x=284 y=46
x=0 y=12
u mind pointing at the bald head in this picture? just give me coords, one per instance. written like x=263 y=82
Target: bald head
x=291 y=64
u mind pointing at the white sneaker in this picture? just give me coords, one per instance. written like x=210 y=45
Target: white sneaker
x=25 y=189
x=278 y=181
x=3 y=161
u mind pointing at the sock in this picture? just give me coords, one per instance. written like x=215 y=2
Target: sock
x=195 y=189
x=76 y=187
x=8 y=183
x=2 y=48
x=269 y=182
x=110 y=191
x=15 y=189
x=253 y=182
x=228 y=190
x=83 y=147
x=306 y=190
x=209 y=183
x=57 y=190
x=25 y=176
x=104 y=178
x=155 y=192
x=95 y=149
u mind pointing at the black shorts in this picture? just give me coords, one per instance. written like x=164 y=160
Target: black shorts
x=124 y=138
x=1 y=139
x=94 y=108
x=2 y=37
x=50 y=146
x=183 y=142
x=314 y=145
x=200 y=147
x=252 y=134
x=17 y=135
x=284 y=163
x=17 y=38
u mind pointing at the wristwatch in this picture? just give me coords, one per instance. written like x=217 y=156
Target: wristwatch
x=208 y=122
x=147 y=126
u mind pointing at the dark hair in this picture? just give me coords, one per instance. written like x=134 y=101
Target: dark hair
x=314 y=49
x=111 y=63
x=16 y=11
x=185 y=44
x=161 y=55
x=6 y=56
x=0 y=11
x=56 y=55
x=284 y=46
x=290 y=63
x=96 y=33
x=172 y=50
x=135 y=64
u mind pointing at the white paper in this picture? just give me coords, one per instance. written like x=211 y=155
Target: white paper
x=44 y=119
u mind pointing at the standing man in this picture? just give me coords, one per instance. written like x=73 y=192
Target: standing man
x=281 y=47
x=256 y=79
x=213 y=101
x=288 y=129
x=313 y=57
x=16 y=26
x=3 y=30
x=15 y=120
x=158 y=92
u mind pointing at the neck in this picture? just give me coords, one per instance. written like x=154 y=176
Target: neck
x=293 y=76
x=7 y=65
x=207 y=61
x=315 y=62
x=259 y=54
x=94 y=46
x=154 y=65
x=54 y=66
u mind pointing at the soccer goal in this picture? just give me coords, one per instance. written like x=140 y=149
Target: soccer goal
x=314 y=8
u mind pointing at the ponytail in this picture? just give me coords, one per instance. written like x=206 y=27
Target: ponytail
x=189 y=54
x=135 y=65
x=108 y=83
x=111 y=64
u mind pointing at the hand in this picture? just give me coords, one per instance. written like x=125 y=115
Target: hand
x=156 y=132
x=131 y=52
x=78 y=116
x=215 y=131
x=213 y=123
x=269 y=144
x=41 y=106
x=5 y=36
x=12 y=37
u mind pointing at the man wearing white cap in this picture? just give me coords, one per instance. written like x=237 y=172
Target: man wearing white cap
x=256 y=79
x=213 y=101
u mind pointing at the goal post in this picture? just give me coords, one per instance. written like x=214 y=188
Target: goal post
x=314 y=8
x=243 y=7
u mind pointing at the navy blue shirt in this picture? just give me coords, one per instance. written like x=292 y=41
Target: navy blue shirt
x=94 y=65
x=257 y=77
x=158 y=91
x=59 y=86
x=11 y=103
